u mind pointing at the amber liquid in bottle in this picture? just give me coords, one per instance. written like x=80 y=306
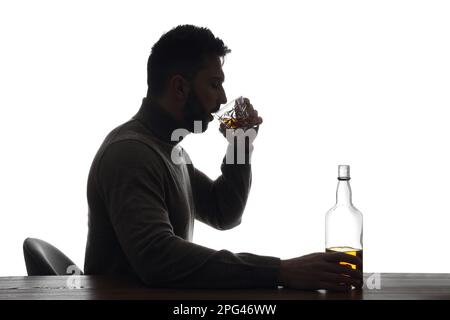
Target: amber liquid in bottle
x=344 y=222
x=351 y=251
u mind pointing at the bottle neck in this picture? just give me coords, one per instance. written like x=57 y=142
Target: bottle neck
x=344 y=193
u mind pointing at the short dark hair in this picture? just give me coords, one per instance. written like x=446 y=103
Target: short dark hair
x=183 y=50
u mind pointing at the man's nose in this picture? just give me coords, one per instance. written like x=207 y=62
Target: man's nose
x=223 y=97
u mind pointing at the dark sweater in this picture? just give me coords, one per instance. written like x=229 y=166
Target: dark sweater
x=142 y=208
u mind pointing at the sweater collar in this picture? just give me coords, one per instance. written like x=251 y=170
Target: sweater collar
x=157 y=121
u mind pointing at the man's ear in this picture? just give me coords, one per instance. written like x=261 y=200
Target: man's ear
x=179 y=87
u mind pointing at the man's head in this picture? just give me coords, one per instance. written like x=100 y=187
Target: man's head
x=184 y=74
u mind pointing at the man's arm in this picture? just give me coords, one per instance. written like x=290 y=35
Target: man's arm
x=220 y=203
x=131 y=182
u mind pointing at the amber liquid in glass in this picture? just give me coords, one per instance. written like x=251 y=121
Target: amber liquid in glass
x=229 y=122
x=347 y=250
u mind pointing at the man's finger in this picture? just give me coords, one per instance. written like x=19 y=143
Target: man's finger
x=340 y=269
x=341 y=278
x=342 y=257
x=335 y=286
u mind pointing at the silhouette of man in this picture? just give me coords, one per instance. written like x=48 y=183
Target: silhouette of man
x=142 y=204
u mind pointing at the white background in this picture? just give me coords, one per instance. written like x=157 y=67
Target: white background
x=364 y=83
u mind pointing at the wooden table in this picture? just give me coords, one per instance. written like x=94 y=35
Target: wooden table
x=393 y=286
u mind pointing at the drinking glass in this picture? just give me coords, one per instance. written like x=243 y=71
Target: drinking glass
x=229 y=113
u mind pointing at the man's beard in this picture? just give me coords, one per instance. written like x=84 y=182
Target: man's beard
x=192 y=112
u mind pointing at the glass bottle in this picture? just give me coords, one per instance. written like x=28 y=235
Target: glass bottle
x=343 y=222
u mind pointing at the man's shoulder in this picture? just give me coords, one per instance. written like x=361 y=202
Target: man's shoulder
x=130 y=130
x=132 y=141
x=128 y=136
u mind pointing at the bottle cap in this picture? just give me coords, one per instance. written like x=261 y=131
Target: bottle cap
x=344 y=172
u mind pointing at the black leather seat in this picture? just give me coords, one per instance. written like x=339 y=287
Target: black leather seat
x=41 y=259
